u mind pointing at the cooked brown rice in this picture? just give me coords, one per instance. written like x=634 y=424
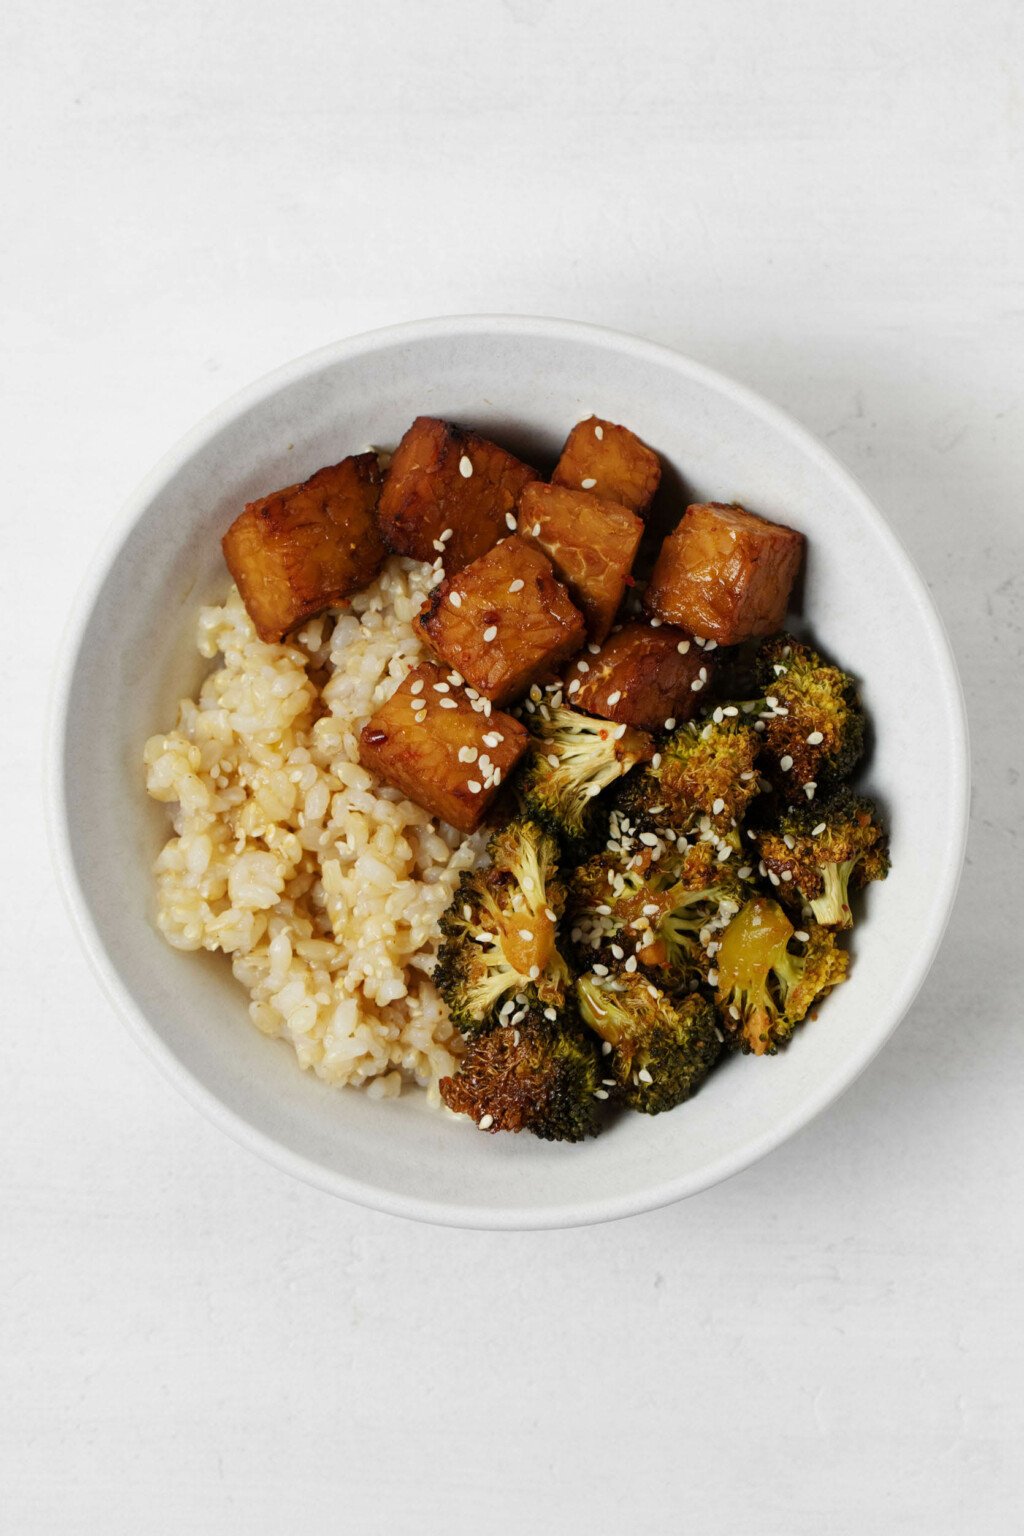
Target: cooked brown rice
x=323 y=885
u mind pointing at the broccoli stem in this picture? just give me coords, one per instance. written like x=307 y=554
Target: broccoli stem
x=832 y=907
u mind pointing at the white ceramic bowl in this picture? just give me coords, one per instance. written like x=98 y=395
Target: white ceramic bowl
x=129 y=658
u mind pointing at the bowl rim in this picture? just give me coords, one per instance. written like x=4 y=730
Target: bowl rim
x=235 y=1125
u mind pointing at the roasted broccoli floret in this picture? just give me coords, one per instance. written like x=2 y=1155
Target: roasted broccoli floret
x=531 y=1076
x=657 y=1049
x=817 y=854
x=764 y=988
x=810 y=719
x=703 y=777
x=663 y=910
x=570 y=761
x=500 y=931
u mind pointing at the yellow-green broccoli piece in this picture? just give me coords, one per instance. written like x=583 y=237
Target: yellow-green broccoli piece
x=764 y=987
x=499 y=950
x=817 y=854
x=809 y=719
x=657 y=1049
x=571 y=759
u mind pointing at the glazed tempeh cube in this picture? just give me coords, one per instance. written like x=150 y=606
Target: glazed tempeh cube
x=725 y=574
x=611 y=461
x=503 y=622
x=430 y=742
x=653 y=677
x=307 y=547
x=449 y=492
x=590 y=541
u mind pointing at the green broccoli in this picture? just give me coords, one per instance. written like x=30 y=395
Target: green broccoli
x=817 y=854
x=702 y=779
x=764 y=988
x=572 y=758
x=530 y=1076
x=657 y=1049
x=810 y=719
x=499 y=949
x=662 y=911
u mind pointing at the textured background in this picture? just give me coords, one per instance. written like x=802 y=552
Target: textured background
x=823 y=199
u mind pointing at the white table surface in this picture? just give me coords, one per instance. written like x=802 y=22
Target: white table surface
x=827 y=201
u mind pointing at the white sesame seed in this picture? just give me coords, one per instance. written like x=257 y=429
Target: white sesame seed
x=710 y=645
x=745 y=872
x=670 y=723
x=474 y=786
x=485 y=1122
x=599 y=433
x=606 y=1047
x=465 y=466
x=718 y=715
x=490 y=632
x=582 y=666
x=589 y=483
x=510 y=522
x=442 y=688
x=656 y=623
x=645 y=1076
x=438 y=545
x=656 y=760
x=614 y=697
x=818 y=830
x=809 y=789
x=592 y=790
x=618 y=952
x=734 y=1012
x=550 y=1014
x=696 y=685
x=574 y=686
x=631 y=964
x=594 y=650
x=417 y=686
x=491 y=739
x=785 y=763
x=801 y=935
x=787 y=874
x=536 y=530
x=448 y=704
x=517 y=585
x=718 y=807
x=534 y=972
x=550 y=915
x=516 y=1037
x=554 y=759
x=649 y=839
x=455 y=598
x=600 y=1093
x=773 y=877
x=712 y=978
x=815 y=739
x=683 y=647
x=599 y=970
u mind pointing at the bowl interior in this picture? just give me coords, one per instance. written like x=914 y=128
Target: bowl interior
x=524 y=383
